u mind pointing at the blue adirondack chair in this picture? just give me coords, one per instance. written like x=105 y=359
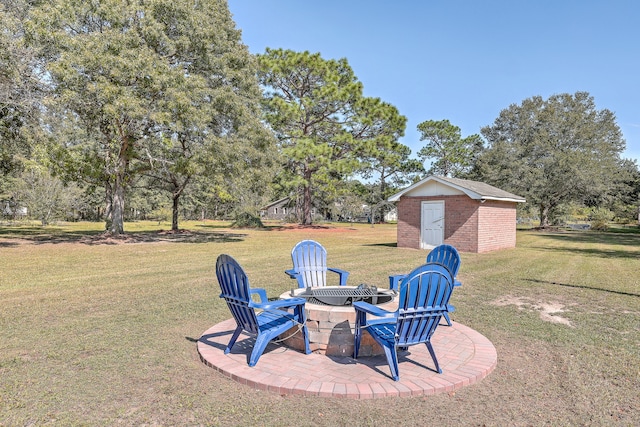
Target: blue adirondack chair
x=266 y=325
x=424 y=294
x=446 y=255
x=310 y=265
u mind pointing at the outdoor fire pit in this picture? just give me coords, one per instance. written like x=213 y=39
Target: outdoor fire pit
x=346 y=296
x=331 y=318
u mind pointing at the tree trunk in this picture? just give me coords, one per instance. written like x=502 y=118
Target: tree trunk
x=118 y=189
x=108 y=210
x=117 y=207
x=544 y=216
x=306 y=206
x=306 y=200
x=174 y=216
x=175 y=197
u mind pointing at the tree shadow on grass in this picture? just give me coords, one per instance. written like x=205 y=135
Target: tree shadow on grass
x=36 y=236
x=631 y=239
x=568 y=285
x=9 y=244
x=388 y=245
x=263 y=228
x=29 y=231
x=599 y=253
x=591 y=238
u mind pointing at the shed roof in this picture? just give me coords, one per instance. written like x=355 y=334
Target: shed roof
x=474 y=189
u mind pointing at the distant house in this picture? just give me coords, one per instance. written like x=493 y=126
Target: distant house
x=281 y=209
x=278 y=209
x=11 y=210
x=391 y=215
x=387 y=209
x=470 y=215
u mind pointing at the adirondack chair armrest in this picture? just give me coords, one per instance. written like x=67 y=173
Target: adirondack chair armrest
x=373 y=310
x=292 y=273
x=394 y=281
x=261 y=293
x=343 y=275
x=281 y=303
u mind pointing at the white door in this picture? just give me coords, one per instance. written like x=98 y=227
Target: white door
x=432 y=224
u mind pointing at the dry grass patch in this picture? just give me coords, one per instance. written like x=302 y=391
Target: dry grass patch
x=548 y=310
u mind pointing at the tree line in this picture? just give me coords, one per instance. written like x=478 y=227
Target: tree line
x=112 y=110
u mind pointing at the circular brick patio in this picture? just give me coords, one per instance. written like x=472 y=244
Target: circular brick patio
x=465 y=357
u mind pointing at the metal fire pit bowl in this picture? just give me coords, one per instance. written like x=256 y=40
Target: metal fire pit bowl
x=346 y=296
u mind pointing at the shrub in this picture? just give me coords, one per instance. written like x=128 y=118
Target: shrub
x=247 y=220
x=45 y=197
x=600 y=218
x=162 y=215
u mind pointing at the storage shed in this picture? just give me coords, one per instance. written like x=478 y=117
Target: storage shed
x=470 y=215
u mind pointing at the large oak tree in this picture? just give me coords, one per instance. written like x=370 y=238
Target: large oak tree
x=553 y=151
x=151 y=85
x=19 y=91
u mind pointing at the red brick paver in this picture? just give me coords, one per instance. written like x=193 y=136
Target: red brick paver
x=465 y=357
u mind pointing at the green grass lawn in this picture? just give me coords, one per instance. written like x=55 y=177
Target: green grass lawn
x=100 y=331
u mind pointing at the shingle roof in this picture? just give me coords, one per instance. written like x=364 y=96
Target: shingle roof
x=473 y=189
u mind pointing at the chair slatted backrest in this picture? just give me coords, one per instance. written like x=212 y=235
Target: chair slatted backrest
x=424 y=294
x=310 y=260
x=446 y=255
x=236 y=292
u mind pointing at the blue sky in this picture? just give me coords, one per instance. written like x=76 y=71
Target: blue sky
x=465 y=60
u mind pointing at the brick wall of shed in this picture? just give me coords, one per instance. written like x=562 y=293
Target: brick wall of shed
x=496 y=226
x=409 y=222
x=461 y=221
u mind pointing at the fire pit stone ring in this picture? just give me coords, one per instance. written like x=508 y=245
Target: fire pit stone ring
x=331 y=318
